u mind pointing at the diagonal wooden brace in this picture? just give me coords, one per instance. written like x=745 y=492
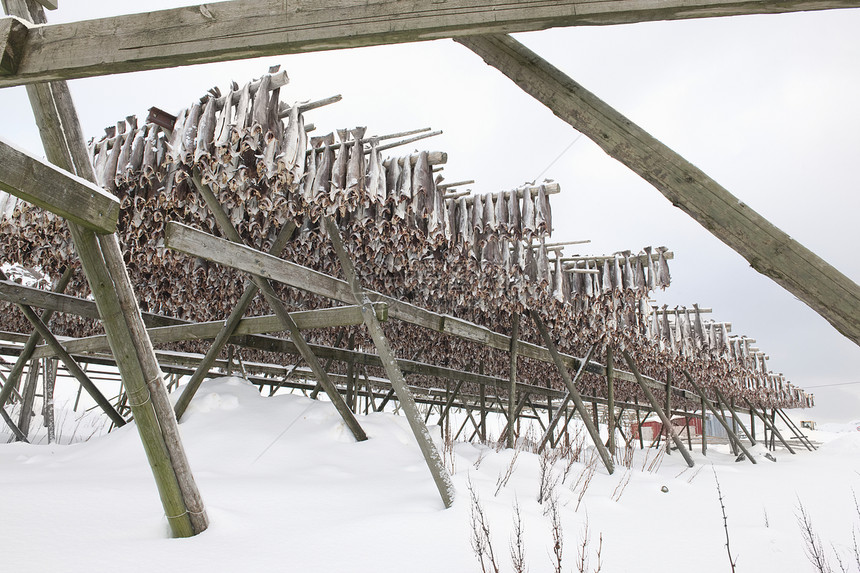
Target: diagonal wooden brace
x=395 y=375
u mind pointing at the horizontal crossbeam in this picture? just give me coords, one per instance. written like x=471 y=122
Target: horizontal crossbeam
x=253 y=28
x=41 y=183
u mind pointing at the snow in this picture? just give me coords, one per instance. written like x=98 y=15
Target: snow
x=287 y=488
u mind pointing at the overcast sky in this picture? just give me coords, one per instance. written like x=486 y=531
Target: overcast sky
x=765 y=105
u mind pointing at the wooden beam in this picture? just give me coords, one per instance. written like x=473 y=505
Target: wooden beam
x=40 y=183
x=512 y=371
x=71 y=366
x=592 y=428
x=200 y=244
x=706 y=402
x=287 y=323
x=664 y=417
x=305 y=319
x=769 y=425
x=389 y=362
x=253 y=28
x=13 y=33
x=769 y=250
x=103 y=265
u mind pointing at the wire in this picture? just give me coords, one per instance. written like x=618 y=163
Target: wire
x=575 y=139
x=836 y=384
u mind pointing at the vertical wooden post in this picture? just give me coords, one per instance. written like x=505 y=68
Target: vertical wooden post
x=752 y=423
x=48 y=392
x=389 y=362
x=669 y=407
x=704 y=433
x=656 y=405
x=610 y=398
x=28 y=396
x=721 y=419
x=15 y=373
x=512 y=388
x=736 y=420
x=592 y=428
x=101 y=260
x=774 y=430
x=483 y=397
x=638 y=423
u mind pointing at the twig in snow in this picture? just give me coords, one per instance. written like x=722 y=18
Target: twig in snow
x=548 y=479
x=481 y=541
x=504 y=478
x=582 y=551
x=557 y=534
x=732 y=561
x=518 y=550
x=811 y=540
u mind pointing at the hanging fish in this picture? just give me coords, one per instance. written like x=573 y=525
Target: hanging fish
x=541 y=219
x=663 y=278
x=627 y=275
x=189 y=138
x=478 y=217
x=467 y=230
x=355 y=168
x=403 y=188
x=649 y=261
x=374 y=171
x=544 y=274
x=422 y=186
x=502 y=218
x=490 y=223
x=698 y=329
x=531 y=265
x=175 y=144
x=558 y=282
x=223 y=130
x=606 y=277
x=205 y=131
x=589 y=281
x=514 y=218
x=122 y=161
x=322 y=180
x=290 y=156
x=528 y=218
x=260 y=108
x=310 y=172
x=392 y=181
x=138 y=149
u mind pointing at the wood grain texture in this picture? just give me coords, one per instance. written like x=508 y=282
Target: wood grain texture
x=768 y=249
x=56 y=190
x=253 y=28
x=307 y=319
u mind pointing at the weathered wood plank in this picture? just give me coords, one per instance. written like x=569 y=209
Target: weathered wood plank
x=38 y=182
x=253 y=28
x=64 y=145
x=768 y=249
x=389 y=362
x=13 y=33
x=305 y=320
x=664 y=417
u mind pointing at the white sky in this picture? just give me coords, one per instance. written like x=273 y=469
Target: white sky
x=765 y=105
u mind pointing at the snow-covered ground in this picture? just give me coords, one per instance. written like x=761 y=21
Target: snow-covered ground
x=288 y=489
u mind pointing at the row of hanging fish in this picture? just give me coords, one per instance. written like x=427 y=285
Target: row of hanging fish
x=480 y=258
